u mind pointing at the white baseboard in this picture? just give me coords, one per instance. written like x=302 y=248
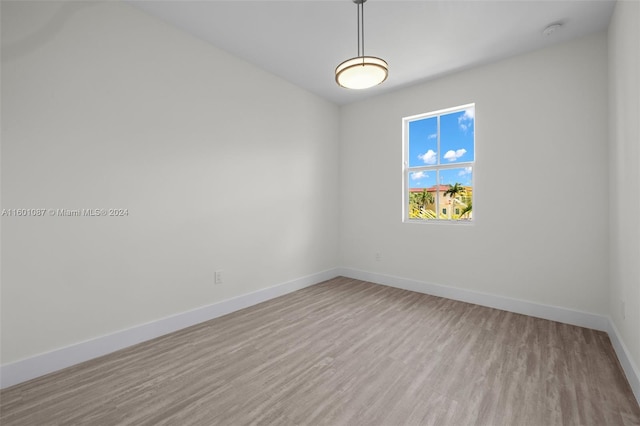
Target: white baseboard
x=39 y=365
x=553 y=313
x=630 y=368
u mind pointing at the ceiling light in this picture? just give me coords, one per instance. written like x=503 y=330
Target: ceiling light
x=362 y=71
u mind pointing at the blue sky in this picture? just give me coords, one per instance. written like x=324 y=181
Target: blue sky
x=456 y=145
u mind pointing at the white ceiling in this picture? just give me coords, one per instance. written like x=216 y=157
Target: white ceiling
x=302 y=41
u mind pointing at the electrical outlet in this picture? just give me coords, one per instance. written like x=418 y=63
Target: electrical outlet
x=218 y=277
x=378 y=257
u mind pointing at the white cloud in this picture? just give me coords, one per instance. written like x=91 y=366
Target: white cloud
x=418 y=175
x=429 y=157
x=465 y=171
x=432 y=136
x=466 y=119
x=452 y=155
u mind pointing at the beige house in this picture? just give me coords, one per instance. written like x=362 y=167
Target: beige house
x=448 y=206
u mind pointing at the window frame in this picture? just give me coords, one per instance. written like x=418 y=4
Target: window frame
x=407 y=170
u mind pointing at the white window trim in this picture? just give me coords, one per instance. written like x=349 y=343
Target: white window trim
x=406 y=169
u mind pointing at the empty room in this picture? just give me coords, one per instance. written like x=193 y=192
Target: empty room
x=336 y=212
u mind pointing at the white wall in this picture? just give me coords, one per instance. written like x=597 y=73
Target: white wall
x=221 y=166
x=624 y=113
x=541 y=145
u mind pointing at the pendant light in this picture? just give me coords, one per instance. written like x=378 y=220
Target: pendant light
x=362 y=71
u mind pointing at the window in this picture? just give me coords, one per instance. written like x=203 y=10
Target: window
x=439 y=157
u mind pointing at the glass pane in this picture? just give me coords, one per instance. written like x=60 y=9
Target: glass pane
x=423 y=142
x=456 y=193
x=422 y=195
x=456 y=136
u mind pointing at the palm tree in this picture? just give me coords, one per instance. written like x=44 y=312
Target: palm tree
x=426 y=198
x=418 y=202
x=467 y=209
x=454 y=191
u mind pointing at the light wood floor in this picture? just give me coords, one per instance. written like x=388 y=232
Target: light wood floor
x=344 y=352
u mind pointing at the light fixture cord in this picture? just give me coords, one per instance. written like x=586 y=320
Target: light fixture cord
x=362 y=5
x=358 y=15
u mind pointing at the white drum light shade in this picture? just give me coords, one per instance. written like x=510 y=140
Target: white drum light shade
x=361 y=72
